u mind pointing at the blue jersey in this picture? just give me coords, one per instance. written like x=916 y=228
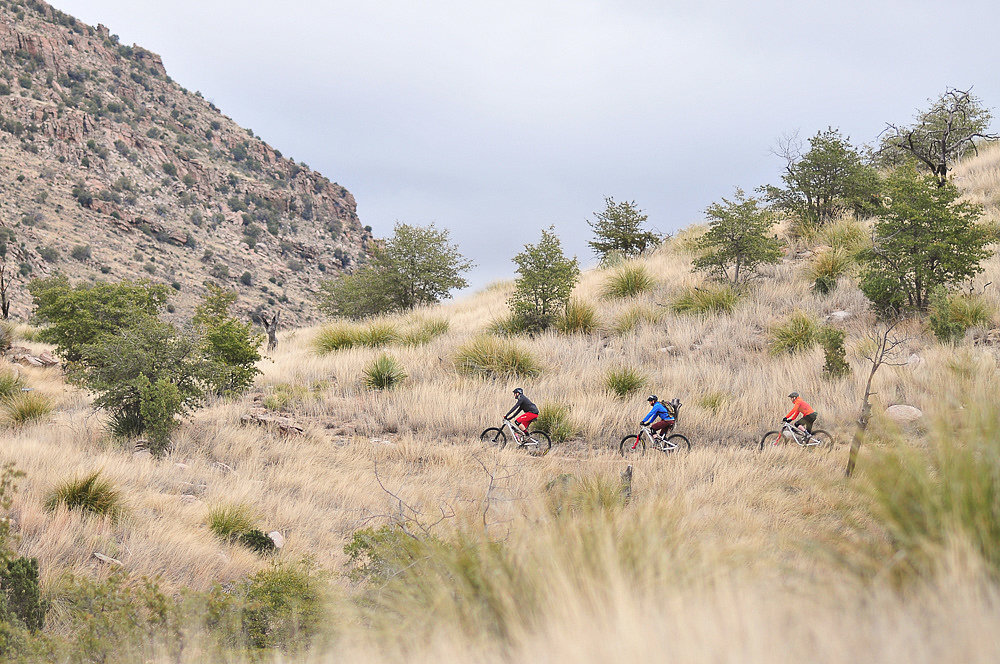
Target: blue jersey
x=659 y=410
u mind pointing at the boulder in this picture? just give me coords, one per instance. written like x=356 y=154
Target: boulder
x=839 y=316
x=284 y=425
x=107 y=559
x=915 y=360
x=277 y=538
x=903 y=414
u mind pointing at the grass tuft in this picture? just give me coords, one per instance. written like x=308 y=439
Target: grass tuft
x=91 y=493
x=798 y=333
x=336 y=336
x=26 y=407
x=708 y=299
x=628 y=281
x=10 y=384
x=632 y=318
x=490 y=356
x=579 y=317
x=424 y=332
x=230 y=520
x=827 y=267
x=624 y=381
x=554 y=419
x=378 y=334
x=384 y=373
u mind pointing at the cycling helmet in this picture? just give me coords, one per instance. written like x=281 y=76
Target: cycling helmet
x=652 y=397
x=518 y=390
x=793 y=395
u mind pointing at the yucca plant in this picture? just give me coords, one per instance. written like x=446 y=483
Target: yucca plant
x=91 y=493
x=230 y=520
x=628 y=281
x=796 y=334
x=708 y=299
x=624 y=381
x=490 y=356
x=23 y=408
x=258 y=541
x=384 y=373
x=336 y=336
x=579 y=317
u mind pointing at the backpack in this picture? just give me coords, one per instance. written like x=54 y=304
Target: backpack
x=672 y=407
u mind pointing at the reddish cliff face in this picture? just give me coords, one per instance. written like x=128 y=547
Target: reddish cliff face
x=111 y=170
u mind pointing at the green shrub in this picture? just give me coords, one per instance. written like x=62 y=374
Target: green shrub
x=624 y=381
x=490 y=356
x=835 y=357
x=21 y=598
x=708 y=299
x=24 y=408
x=384 y=373
x=827 y=267
x=713 y=401
x=952 y=315
x=554 y=419
x=282 y=605
x=229 y=521
x=508 y=326
x=336 y=336
x=545 y=281
x=285 y=395
x=91 y=493
x=579 y=317
x=10 y=384
x=49 y=254
x=230 y=347
x=628 y=281
x=796 y=334
x=257 y=541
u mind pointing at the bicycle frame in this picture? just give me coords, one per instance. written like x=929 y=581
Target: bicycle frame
x=801 y=437
x=663 y=444
x=522 y=439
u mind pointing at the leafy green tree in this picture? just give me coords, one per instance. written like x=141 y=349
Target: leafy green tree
x=737 y=242
x=618 y=229
x=926 y=238
x=231 y=348
x=546 y=278
x=143 y=375
x=416 y=266
x=75 y=316
x=829 y=178
x=952 y=126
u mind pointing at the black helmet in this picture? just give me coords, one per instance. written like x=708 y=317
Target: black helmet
x=793 y=395
x=652 y=397
x=518 y=390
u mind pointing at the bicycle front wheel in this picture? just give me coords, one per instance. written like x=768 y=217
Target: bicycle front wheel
x=494 y=437
x=538 y=443
x=770 y=438
x=677 y=443
x=632 y=446
x=824 y=438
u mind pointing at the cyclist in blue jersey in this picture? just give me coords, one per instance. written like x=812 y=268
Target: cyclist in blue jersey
x=660 y=411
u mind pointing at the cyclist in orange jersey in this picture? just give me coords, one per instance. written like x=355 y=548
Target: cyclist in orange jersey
x=802 y=410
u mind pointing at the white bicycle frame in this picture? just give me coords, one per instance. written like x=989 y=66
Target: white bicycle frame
x=522 y=439
x=661 y=444
x=801 y=437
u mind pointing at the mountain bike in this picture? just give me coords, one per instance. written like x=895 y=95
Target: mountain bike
x=537 y=443
x=635 y=444
x=802 y=438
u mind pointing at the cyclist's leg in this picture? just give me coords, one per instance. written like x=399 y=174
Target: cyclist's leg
x=525 y=419
x=662 y=427
x=807 y=422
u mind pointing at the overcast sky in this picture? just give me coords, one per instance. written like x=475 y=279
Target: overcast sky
x=495 y=119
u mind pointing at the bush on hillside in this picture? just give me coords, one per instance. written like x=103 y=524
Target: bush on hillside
x=579 y=317
x=951 y=316
x=628 y=281
x=383 y=373
x=632 y=318
x=10 y=384
x=798 y=333
x=25 y=408
x=827 y=268
x=738 y=240
x=555 y=420
x=618 y=230
x=491 y=357
x=90 y=493
x=282 y=605
x=835 y=363
x=423 y=331
x=230 y=520
x=545 y=280
x=230 y=347
x=624 y=381
x=707 y=299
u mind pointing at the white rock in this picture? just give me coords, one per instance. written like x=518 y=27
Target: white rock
x=839 y=315
x=915 y=360
x=181 y=466
x=277 y=538
x=141 y=454
x=902 y=413
x=107 y=559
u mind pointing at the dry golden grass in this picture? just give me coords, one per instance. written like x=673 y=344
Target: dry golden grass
x=742 y=557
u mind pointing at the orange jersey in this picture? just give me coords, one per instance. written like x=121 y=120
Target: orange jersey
x=799 y=409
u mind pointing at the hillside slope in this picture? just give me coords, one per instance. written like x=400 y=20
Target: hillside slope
x=722 y=554
x=110 y=169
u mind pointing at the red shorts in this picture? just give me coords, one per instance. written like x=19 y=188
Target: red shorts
x=524 y=419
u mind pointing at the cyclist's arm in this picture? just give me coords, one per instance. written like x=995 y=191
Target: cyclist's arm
x=650 y=416
x=791 y=415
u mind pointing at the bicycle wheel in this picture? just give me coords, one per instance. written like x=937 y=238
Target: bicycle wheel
x=538 y=443
x=628 y=446
x=824 y=438
x=494 y=436
x=770 y=438
x=682 y=443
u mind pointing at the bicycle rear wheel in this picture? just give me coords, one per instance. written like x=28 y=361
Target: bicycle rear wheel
x=538 y=443
x=682 y=443
x=824 y=438
x=494 y=436
x=632 y=446
x=770 y=439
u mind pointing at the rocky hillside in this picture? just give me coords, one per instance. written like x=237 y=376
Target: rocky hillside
x=110 y=169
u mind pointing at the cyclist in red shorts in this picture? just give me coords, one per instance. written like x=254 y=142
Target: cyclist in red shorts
x=528 y=410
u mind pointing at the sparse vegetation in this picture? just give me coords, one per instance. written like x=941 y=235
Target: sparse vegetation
x=624 y=381
x=489 y=356
x=618 y=230
x=628 y=281
x=737 y=243
x=91 y=493
x=706 y=299
x=798 y=333
x=579 y=317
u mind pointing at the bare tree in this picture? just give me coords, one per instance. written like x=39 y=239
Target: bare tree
x=5 y=284
x=951 y=127
x=271 y=327
x=883 y=351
